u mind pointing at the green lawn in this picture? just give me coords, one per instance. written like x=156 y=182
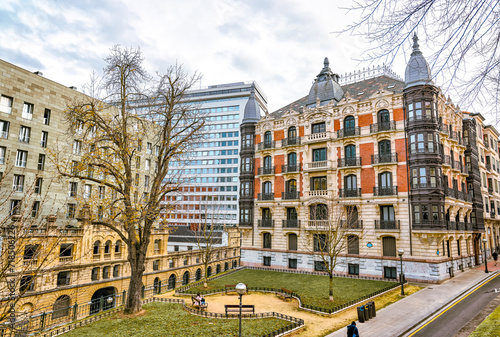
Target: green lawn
x=166 y=319
x=313 y=289
x=490 y=326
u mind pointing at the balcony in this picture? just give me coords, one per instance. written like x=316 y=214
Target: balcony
x=446 y=160
x=245 y=224
x=488 y=166
x=490 y=190
x=387 y=224
x=30 y=263
x=444 y=128
x=266 y=223
x=262 y=171
x=65 y=259
x=319 y=193
x=265 y=196
x=319 y=224
x=383 y=127
x=422 y=118
x=319 y=165
x=350 y=193
x=384 y=158
x=317 y=137
x=290 y=195
x=266 y=145
x=385 y=191
x=457 y=166
x=291 y=168
x=290 y=141
x=349 y=162
x=350 y=132
x=291 y=223
x=353 y=224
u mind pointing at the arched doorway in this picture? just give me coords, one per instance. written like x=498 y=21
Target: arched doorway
x=157 y=286
x=226 y=266
x=198 y=274
x=103 y=299
x=61 y=307
x=185 y=278
x=209 y=271
x=217 y=269
x=171 y=282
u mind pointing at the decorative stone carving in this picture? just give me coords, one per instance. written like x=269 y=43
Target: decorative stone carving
x=382 y=104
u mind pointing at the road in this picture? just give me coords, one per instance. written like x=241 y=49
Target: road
x=452 y=319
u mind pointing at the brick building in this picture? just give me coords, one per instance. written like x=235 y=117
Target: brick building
x=398 y=156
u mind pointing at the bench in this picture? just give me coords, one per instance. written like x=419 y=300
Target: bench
x=195 y=303
x=287 y=294
x=231 y=287
x=235 y=308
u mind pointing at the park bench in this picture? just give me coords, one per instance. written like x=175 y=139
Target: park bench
x=230 y=288
x=235 y=308
x=195 y=303
x=287 y=294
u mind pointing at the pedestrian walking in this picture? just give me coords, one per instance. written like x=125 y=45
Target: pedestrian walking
x=352 y=331
x=495 y=257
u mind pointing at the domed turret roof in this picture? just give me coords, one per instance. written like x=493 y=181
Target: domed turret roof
x=417 y=70
x=252 y=109
x=325 y=88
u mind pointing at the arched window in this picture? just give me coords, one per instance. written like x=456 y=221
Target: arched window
x=318 y=212
x=350 y=155
x=268 y=138
x=292 y=241
x=217 y=269
x=384 y=151
x=268 y=164
x=385 y=183
x=118 y=246
x=292 y=135
x=107 y=247
x=226 y=266
x=96 y=247
x=266 y=240
x=267 y=187
x=291 y=186
x=383 y=119
x=352 y=244
x=209 y=271
x=352 y=216
x=61 y=307
x=389 y=246
x=292 y=160
x=157 y=245
x=235 y=264
x=349 y=123
x=116 y=271
x=198 y=274
x=105 y=272
x=350 y=183
x=185 y=278
x=171 y=282
x=95 y=274
x=157 y=286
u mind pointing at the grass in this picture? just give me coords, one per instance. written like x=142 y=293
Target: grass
x=167 y=319
x=490 y=326
x=313 y=289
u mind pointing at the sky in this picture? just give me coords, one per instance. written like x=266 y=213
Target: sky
x=279 y=44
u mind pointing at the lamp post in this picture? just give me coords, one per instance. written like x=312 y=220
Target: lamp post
x=241 y=289
x=401 y=275
x=485 y=260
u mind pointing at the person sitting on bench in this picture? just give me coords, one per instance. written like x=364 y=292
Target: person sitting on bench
x=199 y=300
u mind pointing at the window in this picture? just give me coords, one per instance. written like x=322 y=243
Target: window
x=389 y=246
x=35 y=209
x=6 y=104
x=268 y=163
x=118 y=244
x=268 y=137
x=390 y=272
x=157 y=150
x=318 y=183
x=18 y=183
x=41 y=162
x=385 y=183
x=352 y=244
x=318 y=212
x=61 y=307
x=319 y=154
x=46 y=117
x=87 y=191
x=38 y=185
x=350 y=182
x=24 y=134
x=318 y=127
x=320 y=243
x=30 y=252
x=102 y=192
x=15 y=207
x=157 y=246
x=353 y=269
x=146 y=181
x=384 y=151
x=147 y=164
x=70 y=213
x=66 y=250
x=73 y=188
x=3 y=149
x=291 y=186
x=107 y=247
x=267 y=261
x=95 y=274
x=246 y=189
x=267 y=187
x=266 y=239
x=156 y=264
x=350 y=153
x=292 y=263
x=319 y=266
x=27 y=284
x=4 y=129
x=292 y=241
x=97 y=245
x=292 y=161
x=27 y=111
x=292 y=134
x=138 y=162
x=63 y=278
x=77 y=147
x=149 y=148
x=45 y=137
x=116 y=271
x=105 y=272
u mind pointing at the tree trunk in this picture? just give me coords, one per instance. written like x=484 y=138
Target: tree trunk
x=134 y=303
x=330 y=290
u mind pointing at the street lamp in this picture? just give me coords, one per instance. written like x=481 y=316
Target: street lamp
x=241 y=289
x=485 y=260
x=401 y=275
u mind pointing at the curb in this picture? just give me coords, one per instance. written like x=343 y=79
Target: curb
x=449 y=303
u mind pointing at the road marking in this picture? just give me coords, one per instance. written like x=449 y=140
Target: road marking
x=451 y=306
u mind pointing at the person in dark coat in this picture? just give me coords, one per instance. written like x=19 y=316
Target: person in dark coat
x=495 y=257
x=352 y=331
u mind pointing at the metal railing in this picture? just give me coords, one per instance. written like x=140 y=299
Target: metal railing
x=265 y=170
x=291 y=223
x=352 y=224
x=290 y=195
x=385 y=158
x=383 y=126
x=350 y=193
x=349 y=162
x=387 y=224
x=265 y=196
x=349 y=132
x=266 y=145
x=381 y=191
x=268 y=223
x=290 y=141
x=291 y=168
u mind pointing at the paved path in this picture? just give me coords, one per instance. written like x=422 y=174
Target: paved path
x=398 y=318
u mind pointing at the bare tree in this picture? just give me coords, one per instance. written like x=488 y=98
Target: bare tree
x=335 y=227
x=463 y=33
x=124 y=139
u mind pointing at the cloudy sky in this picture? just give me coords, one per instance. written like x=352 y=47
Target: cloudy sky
x=280 y=44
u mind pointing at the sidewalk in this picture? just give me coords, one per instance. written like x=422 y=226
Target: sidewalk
x=397 y=318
